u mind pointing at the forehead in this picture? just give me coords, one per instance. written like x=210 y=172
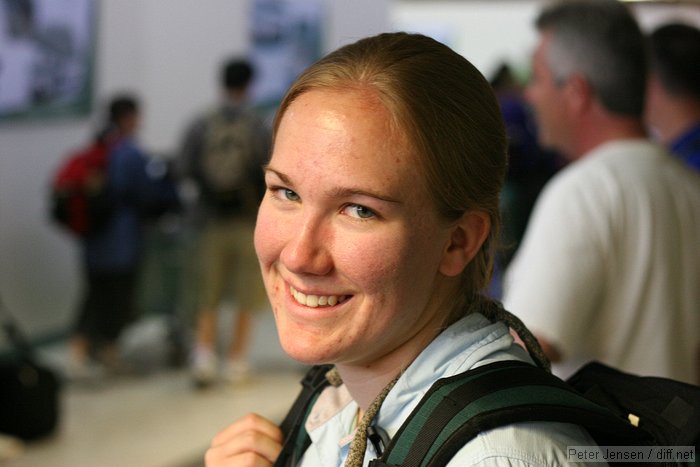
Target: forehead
x=348 y=136
x=541 y=69
x=337 y=107
x=342 y=125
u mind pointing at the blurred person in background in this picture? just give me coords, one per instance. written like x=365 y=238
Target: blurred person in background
x=136 y=187
x=223 y=154
x=673 y=92
x=609 y=266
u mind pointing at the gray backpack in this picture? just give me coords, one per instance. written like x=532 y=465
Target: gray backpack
x=228 y=160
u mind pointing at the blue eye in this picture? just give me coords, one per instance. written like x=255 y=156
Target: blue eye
x=291 y=195
x=361 y=212
x=287 y=194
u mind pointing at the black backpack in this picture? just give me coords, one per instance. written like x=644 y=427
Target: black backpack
x=617 y=409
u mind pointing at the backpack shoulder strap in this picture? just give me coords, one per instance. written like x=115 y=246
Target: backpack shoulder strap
x=296 y=439
x=457 y=409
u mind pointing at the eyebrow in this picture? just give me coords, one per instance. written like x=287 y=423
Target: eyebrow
x=339 y=192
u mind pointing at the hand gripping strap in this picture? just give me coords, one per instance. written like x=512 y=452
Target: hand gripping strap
x=296 y=440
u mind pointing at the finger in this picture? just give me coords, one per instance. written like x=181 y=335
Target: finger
x=250 y=434
x=252 y=441
x=215 y=458
x=249 y=448
x=250 y=422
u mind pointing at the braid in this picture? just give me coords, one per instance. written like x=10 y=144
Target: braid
x=494 y=311
x=356 y=455
x=333 y=377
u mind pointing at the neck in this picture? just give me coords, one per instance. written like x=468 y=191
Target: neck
x=365 y=382
x=674 y=124
x=235 y=96
x=605 y=129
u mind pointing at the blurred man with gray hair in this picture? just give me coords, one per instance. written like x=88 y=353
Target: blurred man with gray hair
x=609 y=266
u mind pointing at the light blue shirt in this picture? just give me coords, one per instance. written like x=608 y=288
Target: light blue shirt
x=471 y=342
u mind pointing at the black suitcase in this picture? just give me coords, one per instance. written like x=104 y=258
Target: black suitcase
x=29 y=391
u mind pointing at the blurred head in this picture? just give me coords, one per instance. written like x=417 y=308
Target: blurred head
x=675 y=58
x=504 y=79
x=673 y=92
x=236 y=75
x=596 y=41
x=387 y=153
x=124 y=113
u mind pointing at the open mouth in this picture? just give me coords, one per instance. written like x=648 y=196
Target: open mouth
x=315 y=301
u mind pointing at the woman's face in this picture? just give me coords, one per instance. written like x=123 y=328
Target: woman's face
x=349 y=242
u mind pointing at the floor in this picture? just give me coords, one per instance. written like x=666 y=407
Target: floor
x=156 y=418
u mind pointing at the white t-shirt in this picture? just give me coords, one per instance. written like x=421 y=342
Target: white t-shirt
x=609 y=268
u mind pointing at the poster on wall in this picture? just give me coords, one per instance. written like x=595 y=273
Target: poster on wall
x=286 y=38
x=46 y=58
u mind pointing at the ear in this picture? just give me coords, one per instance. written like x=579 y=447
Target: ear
x=579 y=94
x=467 y=236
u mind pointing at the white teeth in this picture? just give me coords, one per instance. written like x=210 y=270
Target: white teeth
x=315 y=301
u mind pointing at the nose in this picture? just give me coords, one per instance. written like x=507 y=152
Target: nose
x=308 y=249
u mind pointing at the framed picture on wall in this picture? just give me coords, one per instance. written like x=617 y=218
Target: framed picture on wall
x=46 y=58
x=285 y=39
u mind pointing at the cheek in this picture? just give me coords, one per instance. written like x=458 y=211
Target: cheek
x=384 y=265
x=267 y=239
x=365 y=261
x=539 y=102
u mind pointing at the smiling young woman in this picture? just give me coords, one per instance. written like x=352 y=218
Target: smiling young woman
x=375 y=239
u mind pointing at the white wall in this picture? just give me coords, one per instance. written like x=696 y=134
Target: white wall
x=487 y=31
x=483 y=31
x=651 y=15
x=165 y=51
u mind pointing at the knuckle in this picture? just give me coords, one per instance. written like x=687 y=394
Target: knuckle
x=211 y=458
x=250 y=419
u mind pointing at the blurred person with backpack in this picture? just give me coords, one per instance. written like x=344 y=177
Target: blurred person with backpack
x=120 y=188
x=223 y=154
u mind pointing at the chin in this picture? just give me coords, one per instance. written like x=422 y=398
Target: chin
x=306 y=352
